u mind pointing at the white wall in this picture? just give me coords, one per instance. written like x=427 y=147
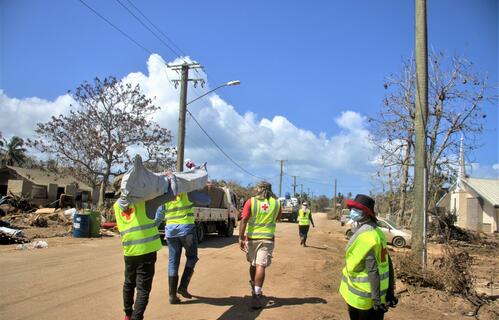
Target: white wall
x=489 y=217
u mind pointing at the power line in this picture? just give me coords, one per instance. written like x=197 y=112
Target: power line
x=128 y=37
x=115 y=27
x=157 y=29
x=147 y=27
x=221 y=150
x=309 y=180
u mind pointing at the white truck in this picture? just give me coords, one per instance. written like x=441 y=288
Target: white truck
x=289 y=209
x=220 y=216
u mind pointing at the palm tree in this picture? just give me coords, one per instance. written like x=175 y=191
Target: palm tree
x=13 y=151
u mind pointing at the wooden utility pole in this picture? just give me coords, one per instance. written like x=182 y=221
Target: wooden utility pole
x=334 y=199
x=294 y=186
x=280 y=177
x=184 y=80
x=421 y=116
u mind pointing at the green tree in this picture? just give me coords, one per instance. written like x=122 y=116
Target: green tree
x=13 y=152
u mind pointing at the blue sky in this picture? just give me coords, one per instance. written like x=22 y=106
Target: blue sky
x=318 y=65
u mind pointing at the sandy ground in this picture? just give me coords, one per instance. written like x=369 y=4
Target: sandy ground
x=82 y=279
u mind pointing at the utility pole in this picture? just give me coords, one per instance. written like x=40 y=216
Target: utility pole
x=421 y=116
x=280 y=177
x=334 y=199
x=184 y=80
x=294 y=186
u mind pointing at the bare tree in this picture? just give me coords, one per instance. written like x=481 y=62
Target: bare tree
x=109 y=118
x=458 y=102
x=392 y=131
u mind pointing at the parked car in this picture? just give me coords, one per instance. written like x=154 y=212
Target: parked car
x=344 y=217
x=394 y=234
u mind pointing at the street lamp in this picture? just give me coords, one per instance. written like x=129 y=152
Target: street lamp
x=181 y=123
x=227 y=84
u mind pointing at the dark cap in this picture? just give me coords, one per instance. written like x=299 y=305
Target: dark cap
x=362 y=202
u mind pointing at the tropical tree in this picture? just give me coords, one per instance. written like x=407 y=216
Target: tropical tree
x=13 y=152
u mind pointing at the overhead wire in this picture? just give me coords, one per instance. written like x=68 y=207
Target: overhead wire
x=115 y=27
x=147 y=27
x=221 y=150
x=157 y=29
x=150 y=52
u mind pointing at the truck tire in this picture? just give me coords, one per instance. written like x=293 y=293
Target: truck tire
x=229 y=232
x=221 y=228
x=200 y=232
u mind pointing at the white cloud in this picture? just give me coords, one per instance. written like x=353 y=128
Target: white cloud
x=478 y=170
x=254 y=143
x=19 y=116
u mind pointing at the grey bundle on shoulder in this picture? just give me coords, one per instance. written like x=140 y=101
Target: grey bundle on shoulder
x=140 y=184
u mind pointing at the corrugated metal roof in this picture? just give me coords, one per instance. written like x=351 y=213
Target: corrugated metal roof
x=43 y=177
x=486 y=188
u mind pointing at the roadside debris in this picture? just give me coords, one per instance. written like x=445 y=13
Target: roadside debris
x=40 y=244
x=11 y=236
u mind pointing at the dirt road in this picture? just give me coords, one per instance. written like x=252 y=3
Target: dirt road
x=82 y=279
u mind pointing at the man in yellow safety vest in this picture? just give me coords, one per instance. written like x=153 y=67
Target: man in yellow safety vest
x=260 y=214
x=180 y=232
x=367 y=283
x=304 y=220
x=138 y=227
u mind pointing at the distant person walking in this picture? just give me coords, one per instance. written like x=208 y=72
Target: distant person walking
x=260 y=214
x=368 y=281
x=304 y=221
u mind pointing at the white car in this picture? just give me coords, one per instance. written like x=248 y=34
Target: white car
x=395 y=235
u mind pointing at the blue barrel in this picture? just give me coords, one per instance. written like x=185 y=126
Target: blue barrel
x=81 y=225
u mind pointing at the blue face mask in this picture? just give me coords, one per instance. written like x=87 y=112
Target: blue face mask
x=356 y=214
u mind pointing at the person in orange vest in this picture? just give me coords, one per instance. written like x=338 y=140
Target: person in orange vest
x=368 y=282
x=260 y=214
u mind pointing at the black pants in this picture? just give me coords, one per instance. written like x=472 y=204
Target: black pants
x=139 y=272
x=357 y=314
x=303 y=231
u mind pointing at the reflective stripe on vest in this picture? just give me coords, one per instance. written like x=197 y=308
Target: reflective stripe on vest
x=179 y=211
x=263 y=218
x=355 y=287
x=139 y=234
x=304 y=217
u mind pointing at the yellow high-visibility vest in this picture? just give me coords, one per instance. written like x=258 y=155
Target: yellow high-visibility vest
x=262 y=222
x=139 y=234
x=304 y=217
x=355 y=287
x=179 y=211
